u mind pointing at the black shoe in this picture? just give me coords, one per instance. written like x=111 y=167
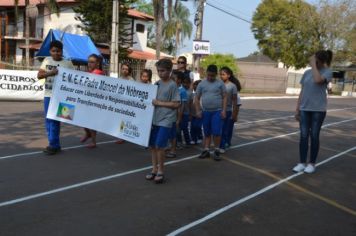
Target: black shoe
x=204 y=154
x=217 y=155
x=51 y=151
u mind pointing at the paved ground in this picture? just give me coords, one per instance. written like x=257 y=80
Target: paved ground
x=251 y=192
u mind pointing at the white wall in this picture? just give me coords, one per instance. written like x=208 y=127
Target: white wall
x=139 y=38
x=65 y=22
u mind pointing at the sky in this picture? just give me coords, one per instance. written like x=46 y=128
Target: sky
x=227 y=34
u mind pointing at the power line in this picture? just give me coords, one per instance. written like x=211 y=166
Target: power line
x=231 y=14
x=229 y=7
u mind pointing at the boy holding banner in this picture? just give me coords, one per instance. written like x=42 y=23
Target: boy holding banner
x=47 y=71
x=164 y=116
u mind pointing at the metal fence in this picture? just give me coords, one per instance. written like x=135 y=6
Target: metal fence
x=338 y=84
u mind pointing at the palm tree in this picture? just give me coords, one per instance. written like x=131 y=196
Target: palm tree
x=31 y=12
x=158 y=10
x=178 y=27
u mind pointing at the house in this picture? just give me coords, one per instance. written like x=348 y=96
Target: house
x=12 y=46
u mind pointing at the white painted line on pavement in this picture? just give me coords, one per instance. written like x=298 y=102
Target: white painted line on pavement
x=280 y=97
x=268 y=97
x=285 y=117
x=245 y=199
x=112 y=141
x=40 y=152
x=74 y=186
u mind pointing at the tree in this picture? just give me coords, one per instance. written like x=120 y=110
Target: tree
x=158 y=11
x=98 y=23
x=338 y=24
x=178 y=26
x=172 y=30
x=220 y=60
x=287 y=31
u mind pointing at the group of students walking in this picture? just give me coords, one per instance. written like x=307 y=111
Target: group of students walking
x=209 y=106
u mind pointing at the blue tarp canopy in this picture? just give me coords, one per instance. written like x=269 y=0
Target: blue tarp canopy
x=76 y=48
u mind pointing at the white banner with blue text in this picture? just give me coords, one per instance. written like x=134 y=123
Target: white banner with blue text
x=117 y=107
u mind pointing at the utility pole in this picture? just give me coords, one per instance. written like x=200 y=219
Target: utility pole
x=114 y=47
x=27 y=33
x=198 y=21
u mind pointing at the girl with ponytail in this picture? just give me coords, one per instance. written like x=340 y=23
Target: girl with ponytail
x=311 y=107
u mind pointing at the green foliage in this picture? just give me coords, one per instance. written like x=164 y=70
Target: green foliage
x=143 y=6
x=220 y=60
x=175 y=28
x=287 y=31
x=338 y=24
x=178 y=26
x=96 y=16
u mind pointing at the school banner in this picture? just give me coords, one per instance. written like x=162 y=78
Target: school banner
x=20 y=85
x=117 y=107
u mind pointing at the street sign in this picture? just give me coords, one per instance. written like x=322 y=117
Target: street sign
x=201 y=47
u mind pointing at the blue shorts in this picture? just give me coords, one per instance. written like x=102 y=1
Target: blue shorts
x=212 y=123
x=173 y=131
x=159 y=136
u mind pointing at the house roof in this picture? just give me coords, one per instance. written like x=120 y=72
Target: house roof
x=139 y=15
x=142 y=55
x=11 y=3
x=133 y=54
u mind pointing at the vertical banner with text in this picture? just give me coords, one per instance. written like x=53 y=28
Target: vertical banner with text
x=117 y=107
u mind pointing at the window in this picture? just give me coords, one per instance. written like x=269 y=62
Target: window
x=140 y=28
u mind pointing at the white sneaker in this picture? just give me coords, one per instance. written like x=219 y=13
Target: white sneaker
x=299 y=168
x=222 y=150
x=309 y=169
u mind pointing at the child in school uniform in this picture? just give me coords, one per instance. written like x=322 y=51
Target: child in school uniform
x=47 y=71
x=231 y=108
x=166 y=103
x=212 y=93
x=172 y=151
x=196 y=123
x=186 y=96
x=146 y=76
x=235 y=115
